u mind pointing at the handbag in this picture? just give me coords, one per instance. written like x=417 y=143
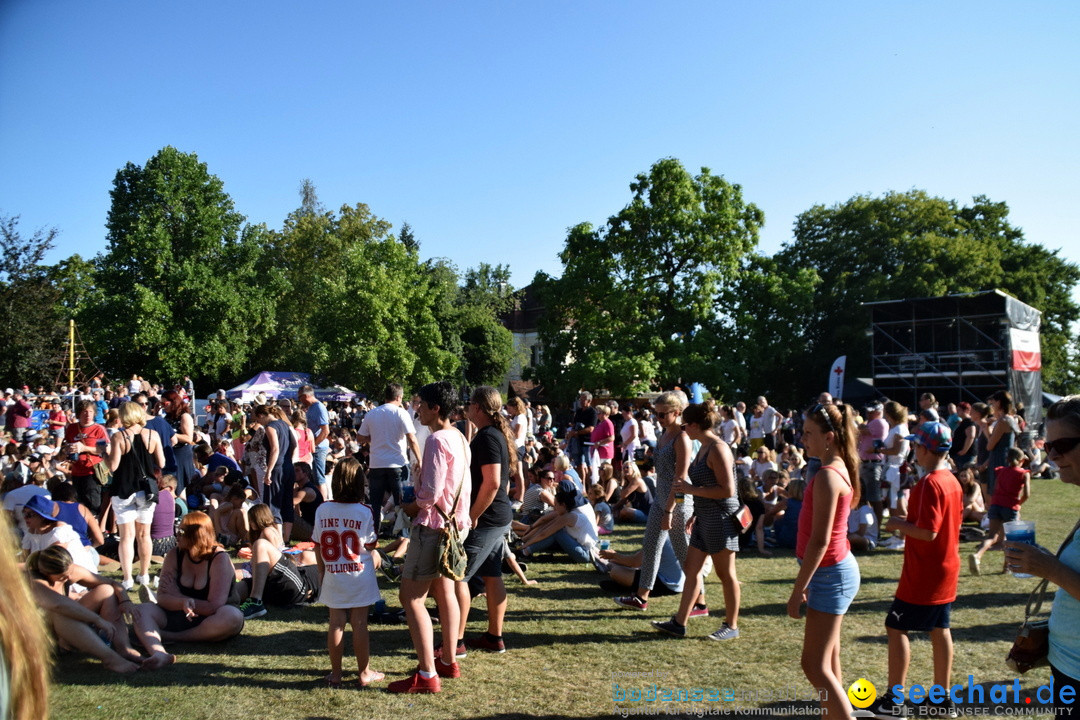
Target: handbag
x=744 y=517
x=451 y=553
x=1031 y=648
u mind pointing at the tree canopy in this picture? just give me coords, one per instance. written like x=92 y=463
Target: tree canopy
x=30 y=319
x=179 y=286
x=637 y=301
x=890 y=247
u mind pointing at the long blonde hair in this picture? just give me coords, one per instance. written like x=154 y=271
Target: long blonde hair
x=27 y=648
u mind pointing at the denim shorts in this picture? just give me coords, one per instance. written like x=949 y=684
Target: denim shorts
x=832 y=588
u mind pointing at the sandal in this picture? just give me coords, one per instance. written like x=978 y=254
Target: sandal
x=331 y=683
x=375 y=677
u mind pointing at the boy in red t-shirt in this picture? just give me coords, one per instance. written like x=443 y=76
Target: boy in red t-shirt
x=928 y=580
x=1012 y=487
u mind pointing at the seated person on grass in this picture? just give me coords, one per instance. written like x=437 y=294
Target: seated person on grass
x=863 y=526
x=193 y=596
x=539 y=499
x=276 y=578
x=572 y=526
x=974 y=503
x=605 y=520
x=163 y=525
x=306 y=500
x=786 y=527
x=635 y=497
x=230 y=517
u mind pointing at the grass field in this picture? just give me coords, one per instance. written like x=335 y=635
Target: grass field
x=565 y=638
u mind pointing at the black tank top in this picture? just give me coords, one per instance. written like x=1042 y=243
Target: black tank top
x=188 y=590
x=135 y=464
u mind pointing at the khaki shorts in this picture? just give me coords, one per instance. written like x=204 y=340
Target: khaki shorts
x=422 y=557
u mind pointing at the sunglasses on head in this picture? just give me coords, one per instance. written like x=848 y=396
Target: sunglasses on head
x=1061 y=445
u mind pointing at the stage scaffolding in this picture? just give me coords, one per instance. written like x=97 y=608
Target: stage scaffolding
x=958 y=347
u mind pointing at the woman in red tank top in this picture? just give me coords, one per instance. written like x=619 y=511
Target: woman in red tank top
x=828 y=574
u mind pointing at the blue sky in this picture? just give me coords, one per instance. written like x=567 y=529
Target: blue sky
x=491 y=127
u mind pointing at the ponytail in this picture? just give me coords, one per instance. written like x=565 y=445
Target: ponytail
x=489 y=401
x=840 y=421
x=499 y=421
x=846 y=448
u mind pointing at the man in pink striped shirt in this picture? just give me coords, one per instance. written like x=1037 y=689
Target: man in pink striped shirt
x=444 y=476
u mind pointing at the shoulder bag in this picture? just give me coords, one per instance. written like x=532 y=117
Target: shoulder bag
x=1031 y=648
x=452 y=558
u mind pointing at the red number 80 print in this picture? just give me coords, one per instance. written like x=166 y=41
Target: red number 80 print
x=335 y=545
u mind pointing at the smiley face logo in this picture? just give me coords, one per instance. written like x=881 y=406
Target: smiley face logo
x=861 y=693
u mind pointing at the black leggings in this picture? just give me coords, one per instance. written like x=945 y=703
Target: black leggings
x=1062 y=680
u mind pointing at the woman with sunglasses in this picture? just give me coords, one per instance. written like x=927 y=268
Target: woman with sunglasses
x=668 y=513
x=828 y=576
x=1063 y=448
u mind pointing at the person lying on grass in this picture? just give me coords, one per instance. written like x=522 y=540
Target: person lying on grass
x=92 y=620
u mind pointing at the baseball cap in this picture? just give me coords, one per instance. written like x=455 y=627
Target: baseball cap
x=934 y=436
x=568 y=493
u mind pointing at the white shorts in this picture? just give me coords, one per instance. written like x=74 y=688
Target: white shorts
x=134 y=508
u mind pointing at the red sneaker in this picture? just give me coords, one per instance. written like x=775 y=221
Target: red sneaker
x=460 y=653
x=699 y=610
x=481 y=642
x=417 y=683
x=453 y=670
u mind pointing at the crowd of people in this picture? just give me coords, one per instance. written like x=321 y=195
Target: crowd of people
x=322 y=500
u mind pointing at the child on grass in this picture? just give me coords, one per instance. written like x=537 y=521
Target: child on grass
x=605 y=521
x=928 y=579
x=345 y=536
x=1012 y=487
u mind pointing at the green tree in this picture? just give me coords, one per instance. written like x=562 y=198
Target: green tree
x=179 y=282
x=361 y=308
x=895 y=246
x=488 y=347
x=408 y=239
x=75 y=279
x=30 y=321
x=638 y=301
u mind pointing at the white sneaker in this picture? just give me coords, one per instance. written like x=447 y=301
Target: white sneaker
x=127 y=584
x=143 y=580
x=146 y=595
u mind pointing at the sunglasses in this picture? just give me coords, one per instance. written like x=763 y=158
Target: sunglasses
x=1061 y=445
x=666 y=413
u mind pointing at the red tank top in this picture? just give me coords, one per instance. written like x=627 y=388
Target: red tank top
x=839 y=547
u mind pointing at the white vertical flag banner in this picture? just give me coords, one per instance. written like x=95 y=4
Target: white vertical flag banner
x=836 y=377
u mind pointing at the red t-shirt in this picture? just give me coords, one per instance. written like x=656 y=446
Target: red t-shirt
x=88 y=435
x=1008 y=483
x=932 y=567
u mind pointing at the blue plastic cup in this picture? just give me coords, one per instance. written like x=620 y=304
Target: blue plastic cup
x=1020 y=531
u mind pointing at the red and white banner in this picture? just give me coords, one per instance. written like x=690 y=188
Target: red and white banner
x=1026 y=352
x=836 y=377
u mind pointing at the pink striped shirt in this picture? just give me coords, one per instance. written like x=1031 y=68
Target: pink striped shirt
x=446 y=465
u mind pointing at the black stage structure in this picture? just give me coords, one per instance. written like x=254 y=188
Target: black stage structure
x=958 y=347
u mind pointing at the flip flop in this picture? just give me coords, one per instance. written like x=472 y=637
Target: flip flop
x=375 y=677
x=331 y=683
